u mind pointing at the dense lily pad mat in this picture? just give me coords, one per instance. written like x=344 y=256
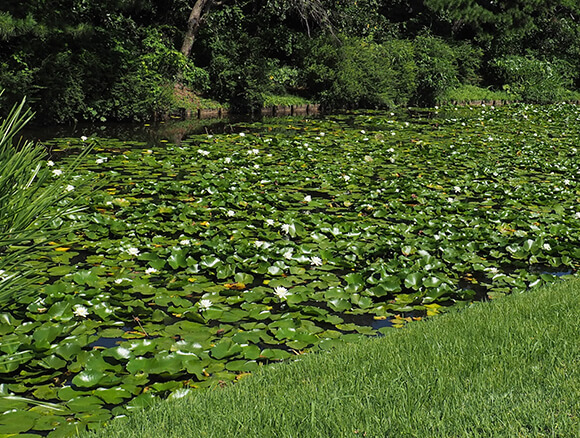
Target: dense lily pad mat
x=207 y=259
x=502 y=369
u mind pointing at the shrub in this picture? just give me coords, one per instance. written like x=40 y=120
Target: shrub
x=360 y=73
x=437 y=70
x=531 y=79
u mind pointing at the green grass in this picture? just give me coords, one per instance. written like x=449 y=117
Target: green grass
x=509 y=368
x=470 y=93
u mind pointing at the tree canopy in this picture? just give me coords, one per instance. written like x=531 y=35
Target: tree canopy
x=122 y=59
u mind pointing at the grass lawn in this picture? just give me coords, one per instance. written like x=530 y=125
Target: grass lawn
x=507 y=368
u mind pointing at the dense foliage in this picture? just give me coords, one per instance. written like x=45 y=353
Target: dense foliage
x=120 y=59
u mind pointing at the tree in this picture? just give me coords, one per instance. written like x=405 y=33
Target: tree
x=196 y=16
x=307 y=10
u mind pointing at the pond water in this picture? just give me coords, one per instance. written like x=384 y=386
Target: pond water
x=208 y=251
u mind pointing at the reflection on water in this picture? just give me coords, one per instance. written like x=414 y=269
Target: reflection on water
x=153 y=134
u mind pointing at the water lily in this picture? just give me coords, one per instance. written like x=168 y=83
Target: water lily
x=84 y=138
x=185 y=242
x=81 y=311
x=132 y=251
x=57 y=172
x=285 y=228
x=231 y=213
x=204 y=304
x=50 y=163
x=70 y=188
x=227 y=160
x=242 y=134
x=203 y=152
x=281 y=292
x=270 y=222
x=456 y=189
x=253 y=151
x=307 y=198
x=287 y=254
x=315 y=261
x=150 y=271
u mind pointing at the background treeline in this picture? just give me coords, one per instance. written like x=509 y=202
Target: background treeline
x=123 y=59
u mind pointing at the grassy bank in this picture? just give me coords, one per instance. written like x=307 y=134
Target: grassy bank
x=507 y=368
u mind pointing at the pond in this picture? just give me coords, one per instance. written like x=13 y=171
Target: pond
x=208 y=256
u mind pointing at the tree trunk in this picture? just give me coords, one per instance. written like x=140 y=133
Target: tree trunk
x=193 y=23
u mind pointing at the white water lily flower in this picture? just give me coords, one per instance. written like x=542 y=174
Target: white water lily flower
x=281 y=292
x=547 y=246
x=346 y=177
x=84 y=138
x=567 y=182
x=100 y=160
x=270 y=222
x=132 y=251
x=253 y=151
x=457 y=189
x=242 y=134
x=231 y=213
x=185 y=242
x=307 y=198
x=203 y=152
x=368 y=159
x=121 y=280
x=577 y=215
x=204 y=305
x=81 y=311
x=150 y=271
x=227 y=160
x=50 y=163
x=316 y=261
x=285 y=228
x=57 y=172
x=256 y=166
x=287 y=254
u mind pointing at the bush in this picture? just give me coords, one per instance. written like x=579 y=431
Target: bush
x=531 y=79
x=359 y=73
x=437 y=69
